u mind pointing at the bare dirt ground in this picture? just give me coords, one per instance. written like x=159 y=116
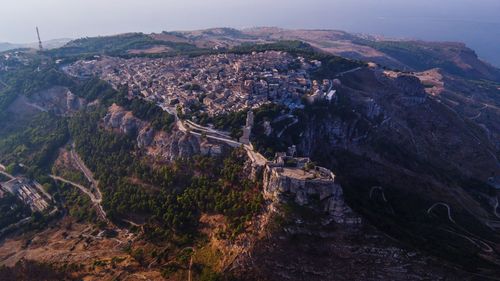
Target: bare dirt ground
x=432 y=80
x=169 y=38
x=152 y=50
x=87 y=253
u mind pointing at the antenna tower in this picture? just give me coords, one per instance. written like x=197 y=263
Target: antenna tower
x=40 y=46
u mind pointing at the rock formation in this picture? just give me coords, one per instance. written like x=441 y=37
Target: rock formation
x=158 y=144
x=289 y=179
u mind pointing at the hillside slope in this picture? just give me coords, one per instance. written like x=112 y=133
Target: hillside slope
x=409 y=188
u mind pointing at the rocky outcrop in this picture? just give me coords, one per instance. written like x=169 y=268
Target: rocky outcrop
x=124 y=121
x=74 y=103
x=145 y=137
x=314 y=188
x=167 y=146
x=60 y=100
x=57 y=100
x=174 y=145
x=210 y=149
x=409 y=85
x=420 y=151
x=298 y=244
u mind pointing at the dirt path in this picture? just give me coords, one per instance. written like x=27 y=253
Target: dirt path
x=190 y=266
x=190 y=273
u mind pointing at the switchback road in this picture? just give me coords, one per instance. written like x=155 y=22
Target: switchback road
x=96 y=201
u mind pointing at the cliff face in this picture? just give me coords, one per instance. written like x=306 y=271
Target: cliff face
x=311 y=234
x=391 y=120
x=398 y=152
x=166 y=146
x=123 y=121
x=58 y=100
x=176 y=144
x=311 y=189
x=405 y=161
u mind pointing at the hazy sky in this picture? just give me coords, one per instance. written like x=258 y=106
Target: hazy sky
x=475 y=22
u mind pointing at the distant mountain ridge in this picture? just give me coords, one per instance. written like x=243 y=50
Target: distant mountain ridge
x=402 y=54
x=50 y=44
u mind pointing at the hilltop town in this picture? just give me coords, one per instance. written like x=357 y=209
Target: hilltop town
x=213 y=84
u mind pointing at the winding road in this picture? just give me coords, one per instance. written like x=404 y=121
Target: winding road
x=479 y=113
x=495 y=208
x=476 y=241
x=443 y=205
x=96 y=201
x=381 y=191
